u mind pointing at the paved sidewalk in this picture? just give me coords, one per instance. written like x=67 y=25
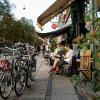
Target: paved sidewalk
x=38 y=87
x=62 y=89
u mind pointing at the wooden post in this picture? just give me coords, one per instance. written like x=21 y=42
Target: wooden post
x=93 y=43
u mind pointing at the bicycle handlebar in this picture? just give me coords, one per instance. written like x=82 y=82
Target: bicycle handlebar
x=12 y=49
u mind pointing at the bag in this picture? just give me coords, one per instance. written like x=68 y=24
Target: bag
x=70 y=71
x=60 y=63
x=73 y=69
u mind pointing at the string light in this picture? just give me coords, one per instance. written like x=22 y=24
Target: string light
x=24 y=8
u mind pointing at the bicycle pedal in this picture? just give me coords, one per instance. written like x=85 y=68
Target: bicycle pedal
x=29 y=86
x=13 y=88
x=33 y=80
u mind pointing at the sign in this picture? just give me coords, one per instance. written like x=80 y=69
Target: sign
x=54 y=26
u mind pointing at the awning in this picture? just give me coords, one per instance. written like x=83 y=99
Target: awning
x=56 y=33
x=42 y=39
x=57 y=7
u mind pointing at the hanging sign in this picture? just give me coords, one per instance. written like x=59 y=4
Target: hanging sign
x=54 y=26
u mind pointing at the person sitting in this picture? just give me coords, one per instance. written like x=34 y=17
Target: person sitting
x=67 y=59
x=59 y=49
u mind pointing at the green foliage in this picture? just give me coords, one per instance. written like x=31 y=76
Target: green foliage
x=87 y=18
x=15 y=30
x=53 y=43
x=4 y=7
x=77 y=16
x=95 y=35
x=95 y=86
x=96 y=98
x=85 y=42
x=75 y=80
x=95 y=55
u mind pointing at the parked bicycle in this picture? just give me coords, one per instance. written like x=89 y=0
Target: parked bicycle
x=28 y=70
x=9 y=68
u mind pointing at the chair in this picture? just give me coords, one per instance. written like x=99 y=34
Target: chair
x=85 y=64
x=71 y=68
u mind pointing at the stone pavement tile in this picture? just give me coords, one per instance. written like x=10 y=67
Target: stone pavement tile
x=62 y=89
x=30 y=98
x=40 y=85
x=63 y=97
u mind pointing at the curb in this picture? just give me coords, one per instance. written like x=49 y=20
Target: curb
x=49 y=88
x=80 y=95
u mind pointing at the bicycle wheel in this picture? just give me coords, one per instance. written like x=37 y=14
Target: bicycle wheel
x=20 y=82
x=48 y=61
x=32 y=72
x=17 y=65
x=6 y=84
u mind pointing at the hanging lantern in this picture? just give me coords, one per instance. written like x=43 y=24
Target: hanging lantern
x=24 y=8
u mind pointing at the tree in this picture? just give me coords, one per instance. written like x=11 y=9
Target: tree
x=4 y=7
x=15 y=30
x=4 y=12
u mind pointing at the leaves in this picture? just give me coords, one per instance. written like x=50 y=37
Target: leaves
x=12 y=29
x=75 y=80
x=77 y=16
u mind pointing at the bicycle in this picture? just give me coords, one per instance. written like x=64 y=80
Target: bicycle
x=5 y=73
x=8 y=74
x=29 y=68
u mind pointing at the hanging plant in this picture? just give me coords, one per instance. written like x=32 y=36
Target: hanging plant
x=77 y=40
x=97 y=58
x=77 y=16
x=93 y=34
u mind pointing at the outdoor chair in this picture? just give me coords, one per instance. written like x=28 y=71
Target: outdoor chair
x=70 y=69
x=85 y=64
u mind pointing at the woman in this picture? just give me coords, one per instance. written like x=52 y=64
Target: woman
x=67 y=57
